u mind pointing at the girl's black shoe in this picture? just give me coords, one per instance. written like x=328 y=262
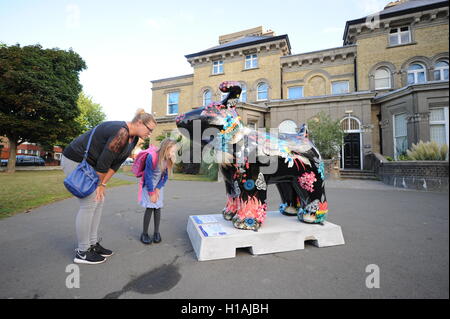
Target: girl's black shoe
x=102 y=251
x=156 y=238
x=88 y=257
x=145 y=239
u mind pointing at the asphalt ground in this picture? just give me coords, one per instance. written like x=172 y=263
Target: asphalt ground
x=404 y=233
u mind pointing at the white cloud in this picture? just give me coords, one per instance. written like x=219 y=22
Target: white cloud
x=121 y=83
x=182 y=17
x=153 y=23
x=371 y=6
x=333 y=30
x=186 y=16
x=73 y=16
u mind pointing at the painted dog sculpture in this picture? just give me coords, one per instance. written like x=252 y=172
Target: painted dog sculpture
x=246 y=158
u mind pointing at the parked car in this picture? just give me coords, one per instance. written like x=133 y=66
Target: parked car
x=26 y=160
x=128 y=161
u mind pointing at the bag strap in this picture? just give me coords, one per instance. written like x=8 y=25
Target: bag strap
x=152 y=151
x=89 y=143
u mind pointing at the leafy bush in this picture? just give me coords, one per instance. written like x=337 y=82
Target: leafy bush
x=404 y=157
x=147 y=141
x=209 y=167
x=429 y=151
x=326 y=134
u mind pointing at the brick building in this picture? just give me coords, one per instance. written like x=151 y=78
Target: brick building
x=32 y=149
x=388 y=83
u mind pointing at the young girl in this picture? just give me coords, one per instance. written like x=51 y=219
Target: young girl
x=155 y=177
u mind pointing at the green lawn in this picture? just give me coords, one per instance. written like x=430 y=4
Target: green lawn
x=24 y=190
x=190 y=177
x=175 y=176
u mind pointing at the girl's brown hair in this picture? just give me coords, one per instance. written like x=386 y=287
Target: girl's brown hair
x=164 y=160
x=141 y=115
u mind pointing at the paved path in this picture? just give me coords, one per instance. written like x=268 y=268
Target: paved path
x=405 y=233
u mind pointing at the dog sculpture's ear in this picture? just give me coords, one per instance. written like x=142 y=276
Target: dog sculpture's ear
x=233 y=89
x=303 y=131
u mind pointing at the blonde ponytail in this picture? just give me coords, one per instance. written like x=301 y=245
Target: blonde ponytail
x=141 y=115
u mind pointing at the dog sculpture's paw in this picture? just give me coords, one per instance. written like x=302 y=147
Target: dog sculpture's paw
x=228 y=215
x=246 y=223
x=314 y=213
x=288 y=210
x=231 y=208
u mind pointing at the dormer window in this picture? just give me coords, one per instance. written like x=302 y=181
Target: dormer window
x=401 y=35
x=218 y=67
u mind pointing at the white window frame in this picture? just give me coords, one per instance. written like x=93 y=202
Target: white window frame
x=253 y=61
x=295 y=87
x=289 y=124
x=204 y=99
x=346 y=120
x=168 y=105
x=394 y=133
x=252 y=125
x=399 y=34
x=348 y=86
x=441 y=122
x=217 y=67
x=441 y=70
x=416 y=72
x=258 y=91
x=388 y=77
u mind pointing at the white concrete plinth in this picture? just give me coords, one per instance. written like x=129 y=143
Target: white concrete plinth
x=278 y=233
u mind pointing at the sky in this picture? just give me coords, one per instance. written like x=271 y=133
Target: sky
x=126 y=44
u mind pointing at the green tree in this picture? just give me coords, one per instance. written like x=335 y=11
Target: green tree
x=91 y=114
x=147 y=141
x=326 y=134
x=39 y=89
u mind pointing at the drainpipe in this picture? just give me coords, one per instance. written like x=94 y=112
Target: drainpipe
x=281 y=81
x=355 y=74
x=380 y=133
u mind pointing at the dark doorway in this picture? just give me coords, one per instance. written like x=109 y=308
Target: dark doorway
x=352 y=151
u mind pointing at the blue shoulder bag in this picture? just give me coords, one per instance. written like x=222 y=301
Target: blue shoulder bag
x=83 y=180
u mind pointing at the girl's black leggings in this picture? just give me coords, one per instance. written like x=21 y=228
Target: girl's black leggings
x=148 y=217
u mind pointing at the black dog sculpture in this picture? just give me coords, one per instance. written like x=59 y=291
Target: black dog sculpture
x=247 y=161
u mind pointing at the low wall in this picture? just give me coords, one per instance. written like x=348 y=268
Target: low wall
x=331 y=168
x=421 y=175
